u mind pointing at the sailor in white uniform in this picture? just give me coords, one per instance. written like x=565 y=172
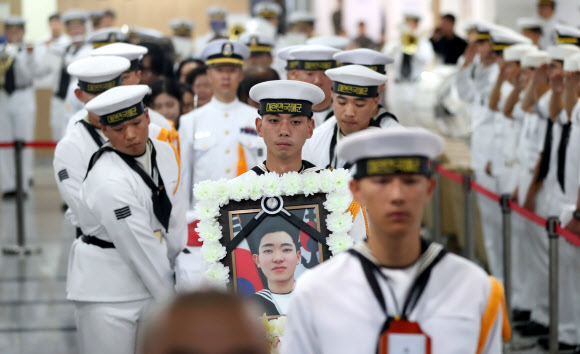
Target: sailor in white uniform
x=410 y=296
x=374 y=60
x=546 y=12
x=84 y=138
x=182 y=38
x=355 y=99
x=546 y=197
x=269 y=11
x=307 y=63
x=531 y=27
x=75 y=24
x=134 y=223
x=260 y=46
x=218 y=27
x=20 y=65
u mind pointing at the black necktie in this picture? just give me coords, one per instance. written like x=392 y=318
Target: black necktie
x=406 y=67
x=562 y=153
x=545 y=157
x=10 y=80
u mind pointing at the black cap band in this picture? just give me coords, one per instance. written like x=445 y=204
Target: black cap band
x=352 y=90
x=378 y=68
x=392 y=165
x=123 y=115
x=310 y=64
x=100 y=87
x=276 y=106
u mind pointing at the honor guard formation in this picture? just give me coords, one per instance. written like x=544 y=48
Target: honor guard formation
x=291 y=177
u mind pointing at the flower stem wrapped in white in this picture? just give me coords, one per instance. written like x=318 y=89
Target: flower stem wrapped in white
x=218 y=273
x=339 y=242
x=213 y=251
x=291 y=183
x=270 y=184
x=338 y=202
x=310 y=184
x=209 y=230
x=339 y=223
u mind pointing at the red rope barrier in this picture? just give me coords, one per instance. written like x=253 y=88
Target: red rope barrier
x=32 y=144
x=526 y=214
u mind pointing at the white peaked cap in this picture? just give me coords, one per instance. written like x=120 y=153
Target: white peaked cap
x=357 y=75
x=562 y=51
x=338 y=42
x=98 y=69
x=125 y=50
x=287 y=90
x=535 y=59
x=517 y=51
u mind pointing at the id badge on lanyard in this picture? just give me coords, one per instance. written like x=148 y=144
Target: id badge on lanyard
x=399 y=335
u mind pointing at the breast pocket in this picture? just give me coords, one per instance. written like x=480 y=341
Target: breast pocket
x=204 y=144
x=254 y=149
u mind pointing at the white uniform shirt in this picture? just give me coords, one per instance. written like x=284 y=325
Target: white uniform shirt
x=317 y=148
x=572 y=172
x=320 y=117
x=117 y=207
x=420 y=59
x=334 y=310
x=27 y=66
x=210 y=138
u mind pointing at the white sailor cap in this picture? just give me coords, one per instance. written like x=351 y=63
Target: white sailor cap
x=567 y=34
x=517 y=51
x=181 y=26
x=284 y=53
x=572 y=63
x=131 y=52
x=398 y=150
x=372 y=59
x=530 y=23
x=216 y=13
x=14 y=21
x=547 y=2
x=286 y=96
x=97 y=14
x=257 y=43
x=535 y=59
x=412 y=14
x=104 y=36
x=483 y=29
x=562 y=51
x=98 y=74
x=142 y=32
x=298 y=17
x=74 y=15
x=311 y=57
x=503 y=37
x=338 y=42
x=267 y=9
x=224 y=51
x=119 y=104
x=356 y=80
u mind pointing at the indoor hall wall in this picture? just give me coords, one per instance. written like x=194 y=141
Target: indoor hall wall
x=157 y=14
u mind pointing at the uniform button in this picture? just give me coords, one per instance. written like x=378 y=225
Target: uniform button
x=226 y=132
x=228 y=170
x=227 y=151
x=204 y=146
x=226 y=115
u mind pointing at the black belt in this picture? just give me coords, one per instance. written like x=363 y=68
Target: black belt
x=92 y=240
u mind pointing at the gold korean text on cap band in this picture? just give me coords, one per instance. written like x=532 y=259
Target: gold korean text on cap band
x=392 y=165
x=378 y=68
x=123 y=115
x=280 y=106
x=313 y=64
x=100 y=87
x=352 y=90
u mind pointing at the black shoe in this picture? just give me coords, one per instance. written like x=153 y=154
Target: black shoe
x=532 y=329
x=9 y=195
x=545 y=344
x=521 y=315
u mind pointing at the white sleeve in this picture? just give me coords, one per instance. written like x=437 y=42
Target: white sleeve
x=186 y=138
x=300 y=335
x=69 y=172
x=465 y=85
x=132 y=234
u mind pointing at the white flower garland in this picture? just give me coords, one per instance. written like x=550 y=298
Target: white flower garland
x=212 y=195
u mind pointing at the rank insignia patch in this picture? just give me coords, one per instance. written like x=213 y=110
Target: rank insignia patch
x=123 y=213
x=62 y=175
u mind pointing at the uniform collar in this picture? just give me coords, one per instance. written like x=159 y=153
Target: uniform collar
x=221 y=106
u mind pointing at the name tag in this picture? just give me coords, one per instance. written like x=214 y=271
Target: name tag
x=404 y=337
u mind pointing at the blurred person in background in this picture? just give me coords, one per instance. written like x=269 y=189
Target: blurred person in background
x=155 y=64
x=362 y=41
x=187 y=66
x=165 y=98
x=253 y=76
x=186 y=98
x=200 y=86
x=446 y=43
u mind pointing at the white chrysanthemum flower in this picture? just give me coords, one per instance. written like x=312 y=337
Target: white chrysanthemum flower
x=204 y=190
x=270 y=184
x=239 y=188
x=209 y=230
x=326 y=181
x=255 y=190
x=339 y=223
x=207 y=209
x=221 y=192
x=339 y=242
x=218 y=273
x=338 y=202
x=213 y=251
x=341 y=179
x=310 y=184
x=291 y=183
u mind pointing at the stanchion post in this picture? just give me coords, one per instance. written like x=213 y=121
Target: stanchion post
x=507 y=250
x=469 y=251
x=553 y=282
x=20 y=248
x=436 y=203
